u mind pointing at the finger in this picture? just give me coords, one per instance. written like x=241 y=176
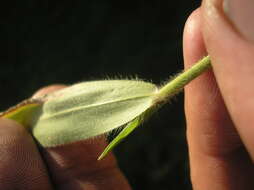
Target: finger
x=214 y=146
x=231 y=50
x=21 y=165
x=75 y=166
x=48 y=89
x=203 y=101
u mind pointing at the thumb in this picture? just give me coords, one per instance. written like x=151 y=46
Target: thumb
x=228 y=33
x=74 y=166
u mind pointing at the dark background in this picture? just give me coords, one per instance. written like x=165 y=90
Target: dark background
x=67 y=41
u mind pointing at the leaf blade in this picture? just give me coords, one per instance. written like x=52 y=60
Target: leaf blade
x=115 y=103
x=121 y=136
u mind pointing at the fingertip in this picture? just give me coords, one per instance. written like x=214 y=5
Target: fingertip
x=21 y=165
x=48 y=89
x=231 y=56
x=193 y=44
x=191 y=24
x=221 y=37
x=204 y=107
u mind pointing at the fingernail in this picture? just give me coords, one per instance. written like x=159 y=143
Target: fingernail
x=241 y=14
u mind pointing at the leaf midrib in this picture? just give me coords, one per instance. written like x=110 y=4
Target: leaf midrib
x=94 y=105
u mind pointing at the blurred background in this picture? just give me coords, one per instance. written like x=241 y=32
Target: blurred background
x=47 y=42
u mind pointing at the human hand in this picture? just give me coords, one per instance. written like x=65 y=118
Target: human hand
x=219 y=105
x=73 y=166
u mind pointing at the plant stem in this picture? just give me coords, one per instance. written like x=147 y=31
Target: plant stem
x=182 y=79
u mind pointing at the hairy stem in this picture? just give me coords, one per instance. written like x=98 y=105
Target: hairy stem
x=178 y=83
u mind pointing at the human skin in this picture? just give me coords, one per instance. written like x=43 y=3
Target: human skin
x=73 y=166
x=219 y=112
x=219 y=104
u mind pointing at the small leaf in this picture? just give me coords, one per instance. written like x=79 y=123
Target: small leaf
x=122 y=135
x=22 y=112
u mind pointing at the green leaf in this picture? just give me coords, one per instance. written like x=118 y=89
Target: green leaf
x=90 y=109
x=23 y=112
x=122 y=135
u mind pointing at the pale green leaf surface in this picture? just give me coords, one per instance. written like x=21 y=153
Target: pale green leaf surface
x=89 y=109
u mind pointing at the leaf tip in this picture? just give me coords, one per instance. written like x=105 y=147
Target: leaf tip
x=103 y=154
x=100 y=157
